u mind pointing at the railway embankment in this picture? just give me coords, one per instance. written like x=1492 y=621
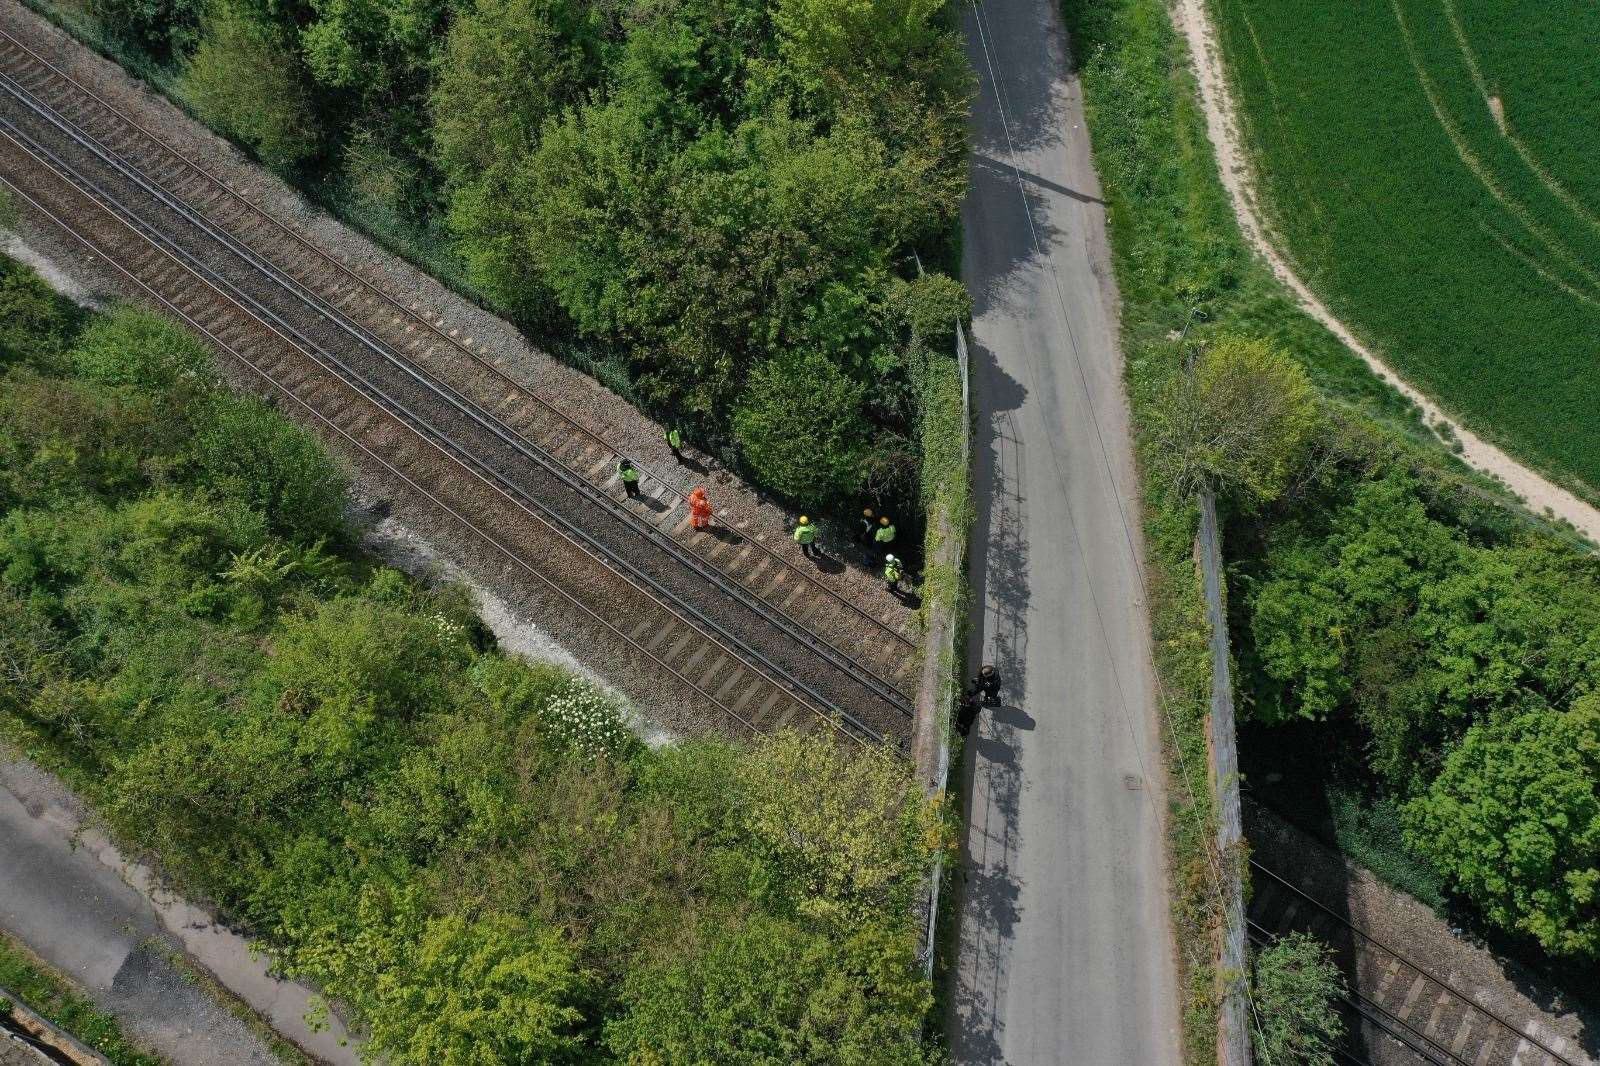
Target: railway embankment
x=572 y=426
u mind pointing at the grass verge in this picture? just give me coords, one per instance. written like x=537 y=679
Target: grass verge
x=50 y=995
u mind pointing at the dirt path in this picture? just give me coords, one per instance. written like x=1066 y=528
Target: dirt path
x=1539 y=493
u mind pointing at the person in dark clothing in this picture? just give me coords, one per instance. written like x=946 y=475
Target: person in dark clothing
x=967 y=713
x=988 y=681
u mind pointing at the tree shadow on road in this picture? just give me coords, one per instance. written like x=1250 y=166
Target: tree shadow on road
x=988 y=889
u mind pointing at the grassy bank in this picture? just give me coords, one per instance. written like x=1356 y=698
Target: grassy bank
x=1430 y=169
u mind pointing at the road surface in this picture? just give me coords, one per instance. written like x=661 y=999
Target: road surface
x=65 y=894
x=1065 y=952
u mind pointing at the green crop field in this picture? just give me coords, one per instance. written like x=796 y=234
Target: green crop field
x=1433 y=167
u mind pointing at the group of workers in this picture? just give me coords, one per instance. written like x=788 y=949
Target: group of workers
x=983 y=690
x=875 y=529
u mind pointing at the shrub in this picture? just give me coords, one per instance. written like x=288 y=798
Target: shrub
x=34 y=322
x=799 y=425
x=244 y=449
x=1513 y=820
x=244 y=81
x=1240 y=422
x=132 y=346
x=771 y=991
x=1295 y=987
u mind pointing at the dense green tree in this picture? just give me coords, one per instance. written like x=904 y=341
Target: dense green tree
x=1513 y=820
x=508 y=66
x=244 y=79
x=799 y=424
x=831 y=36
x=771 y=992
x=1241 y=420
x=1294 y=988
x=163 y=28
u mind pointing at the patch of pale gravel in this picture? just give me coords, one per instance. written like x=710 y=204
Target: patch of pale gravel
x=576 y=394
x=1540 y=494
x=19 y=249
x=404 y=549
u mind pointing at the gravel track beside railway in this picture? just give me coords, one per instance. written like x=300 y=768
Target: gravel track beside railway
x=831 y=679
x=852 y=570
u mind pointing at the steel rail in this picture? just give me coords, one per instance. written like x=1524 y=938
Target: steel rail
x=1433 y=1052
x=411 y=313
x=857 y=731
x=469 y=410
x=1443 y=986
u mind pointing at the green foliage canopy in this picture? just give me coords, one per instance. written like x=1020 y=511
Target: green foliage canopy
x=1513 y=819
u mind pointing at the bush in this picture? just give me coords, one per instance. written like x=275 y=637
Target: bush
x=244 y=81
x=1513 y=820
x=244 y=449
x=799 y=425
x=34 y=322
x=1295 y=988
x=132 y=346
x=163 y=28
x=771 y=991
x=1241 y=421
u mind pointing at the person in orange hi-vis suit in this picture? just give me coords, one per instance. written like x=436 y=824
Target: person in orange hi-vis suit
x=699 y=508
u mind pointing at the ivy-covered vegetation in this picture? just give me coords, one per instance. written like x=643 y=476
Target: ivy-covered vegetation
x=724 y=199
x=472 y=853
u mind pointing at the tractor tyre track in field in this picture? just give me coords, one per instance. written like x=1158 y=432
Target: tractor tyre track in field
x=1193 y=20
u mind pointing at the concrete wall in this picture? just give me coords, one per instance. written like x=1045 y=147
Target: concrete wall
x=1233 y=1021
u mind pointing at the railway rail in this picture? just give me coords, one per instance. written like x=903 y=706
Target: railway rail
x=1435 y=1021
x=729 y=641
x=414 y=334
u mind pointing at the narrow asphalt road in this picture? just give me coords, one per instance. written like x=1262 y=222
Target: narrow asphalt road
x=1065 y=947
x=74 y=901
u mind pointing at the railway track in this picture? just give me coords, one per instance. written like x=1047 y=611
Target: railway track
x=1435 y=1022
x=519 y=477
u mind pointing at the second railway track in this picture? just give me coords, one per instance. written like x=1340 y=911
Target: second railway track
x=517 y=463
x=1435 y=1021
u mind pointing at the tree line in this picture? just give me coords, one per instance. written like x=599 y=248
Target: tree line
x=471 y=853
x=1454 y=648
x=726 y=195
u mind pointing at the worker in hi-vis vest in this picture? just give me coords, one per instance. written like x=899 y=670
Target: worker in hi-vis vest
x=805 y=535
x=630 y=478
x=885 y=534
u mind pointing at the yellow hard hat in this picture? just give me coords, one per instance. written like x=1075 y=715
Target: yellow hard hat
x=866 y=512
x=883 y=521
x=804 y=520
